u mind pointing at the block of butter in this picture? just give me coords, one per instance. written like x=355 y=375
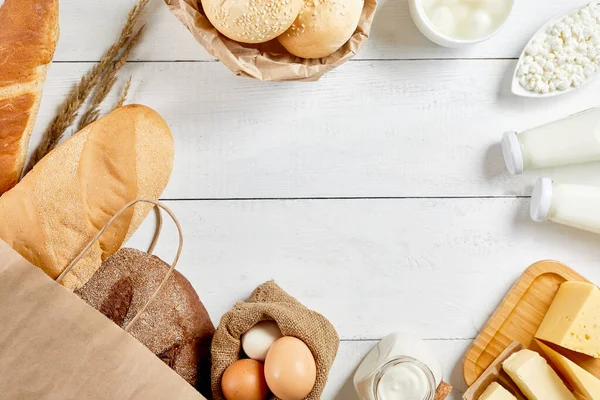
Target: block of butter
x=573 y=319
x=496 y=392
x=584 y=383
x=535 y=378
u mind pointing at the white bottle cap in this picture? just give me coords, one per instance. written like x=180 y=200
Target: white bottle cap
x=541 y=200
x=511 y=149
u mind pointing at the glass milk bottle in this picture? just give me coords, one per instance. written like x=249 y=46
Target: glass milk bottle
x=573 y=140
x=568 y=204
x=399 y=367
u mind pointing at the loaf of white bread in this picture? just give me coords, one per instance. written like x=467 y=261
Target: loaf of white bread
x=28 y=36
x=71 y=193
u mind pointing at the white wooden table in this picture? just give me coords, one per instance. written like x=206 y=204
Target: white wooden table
x=377 y=196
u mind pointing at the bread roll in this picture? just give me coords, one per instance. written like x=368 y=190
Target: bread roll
x=28 y=36
x=322 y=27
x=251 y=21
x=71 y=193
x=175 y=326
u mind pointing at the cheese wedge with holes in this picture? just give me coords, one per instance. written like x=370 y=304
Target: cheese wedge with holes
x=496 y=392
x=535 y=378
x=573 y=319
x=584 y=383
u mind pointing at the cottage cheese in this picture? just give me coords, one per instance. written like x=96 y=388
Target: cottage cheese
x=565 y=55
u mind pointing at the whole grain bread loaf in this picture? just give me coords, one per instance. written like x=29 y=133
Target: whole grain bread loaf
x=175 y=326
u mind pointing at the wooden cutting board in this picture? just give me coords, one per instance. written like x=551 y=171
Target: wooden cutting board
x=519 y=316
x=495 y=373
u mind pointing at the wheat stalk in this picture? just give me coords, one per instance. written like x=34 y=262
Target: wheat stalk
x=123 y=96
x=102 y=90
x=69 y=110
x=107 y=82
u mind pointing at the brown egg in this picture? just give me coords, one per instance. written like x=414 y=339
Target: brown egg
x=290 y=369
x=245 y=380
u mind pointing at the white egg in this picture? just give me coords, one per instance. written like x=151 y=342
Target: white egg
x=443 y=20
x=258 y=340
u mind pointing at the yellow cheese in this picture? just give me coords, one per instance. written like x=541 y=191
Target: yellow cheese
x=535 y=378
x=582 y=381
x=496 y=392
x=573 y=319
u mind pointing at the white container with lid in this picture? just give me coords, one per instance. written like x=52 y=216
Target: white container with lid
x=568 y=204
x=399 y=367
x=573 y=140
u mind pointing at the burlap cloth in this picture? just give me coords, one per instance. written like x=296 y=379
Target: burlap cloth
x=268 y=61
x=270 y=302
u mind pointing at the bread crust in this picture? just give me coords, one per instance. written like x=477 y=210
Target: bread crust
x=175 y=326
x=28 y=36
x=251 y=21
x=58 y=207
x=322 y=27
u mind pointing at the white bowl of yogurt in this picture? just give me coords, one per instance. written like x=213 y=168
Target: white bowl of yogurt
x=457 y=23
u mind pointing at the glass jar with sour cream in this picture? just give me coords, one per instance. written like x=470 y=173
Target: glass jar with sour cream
x=399 y=367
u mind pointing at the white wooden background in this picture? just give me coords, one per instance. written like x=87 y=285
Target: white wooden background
x=377 y=196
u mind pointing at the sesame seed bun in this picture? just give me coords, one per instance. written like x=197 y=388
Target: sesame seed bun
x=251 y=21
x=322 y=27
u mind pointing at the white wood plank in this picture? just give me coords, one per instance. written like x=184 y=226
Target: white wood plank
x=350 y=354
x=89 y=27
x=436 y=268
x=394 y=128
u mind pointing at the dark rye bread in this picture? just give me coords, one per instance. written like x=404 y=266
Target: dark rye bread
x=175 y=326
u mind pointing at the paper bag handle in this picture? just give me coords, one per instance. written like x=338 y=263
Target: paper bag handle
x=117 y=215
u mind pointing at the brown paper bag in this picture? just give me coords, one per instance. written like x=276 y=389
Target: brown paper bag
x=54 y=346
x=267 y=61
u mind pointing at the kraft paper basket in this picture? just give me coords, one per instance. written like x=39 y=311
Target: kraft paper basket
x=268 y=61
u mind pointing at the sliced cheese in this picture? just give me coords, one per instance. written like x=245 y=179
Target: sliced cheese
x=582 y=381
x=535 y=378
x=496 y=392
x=573 y=319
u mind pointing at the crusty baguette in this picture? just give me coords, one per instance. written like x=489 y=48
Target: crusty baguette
x=71 y=193
x=28 y=37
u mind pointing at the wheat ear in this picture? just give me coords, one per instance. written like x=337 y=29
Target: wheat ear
x=68 y=111
x=107 y=82
x=123 y=97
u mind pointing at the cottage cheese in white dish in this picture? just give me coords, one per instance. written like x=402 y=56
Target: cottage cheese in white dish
x=565 y=54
